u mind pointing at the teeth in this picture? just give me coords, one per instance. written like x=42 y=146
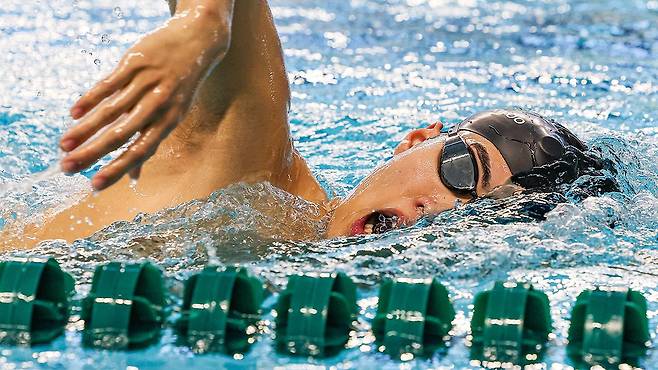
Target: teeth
x=379 y=223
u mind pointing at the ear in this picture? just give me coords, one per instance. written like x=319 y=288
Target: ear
x=418 y=136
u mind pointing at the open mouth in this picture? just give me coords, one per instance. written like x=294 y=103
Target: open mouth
x=377 y=222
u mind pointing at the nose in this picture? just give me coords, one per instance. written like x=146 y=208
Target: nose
x=427 y=205
x=421 y=207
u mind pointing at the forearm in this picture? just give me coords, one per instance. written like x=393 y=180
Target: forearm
x=242 y=106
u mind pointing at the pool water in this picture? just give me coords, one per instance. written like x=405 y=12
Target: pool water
x=362 y=72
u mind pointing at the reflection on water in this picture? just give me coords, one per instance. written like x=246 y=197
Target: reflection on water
x=363 y=72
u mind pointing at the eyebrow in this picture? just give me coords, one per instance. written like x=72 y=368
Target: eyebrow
x=485 y=161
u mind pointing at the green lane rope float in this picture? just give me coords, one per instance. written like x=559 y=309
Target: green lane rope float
x=220 y=310
x=413 y=316
x=608 y=327
x=34 y=300
x=510 y=323
x=125 y=308
x=315 y=314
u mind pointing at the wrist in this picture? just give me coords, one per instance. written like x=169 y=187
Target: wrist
x=210 y=10
x=208 y=21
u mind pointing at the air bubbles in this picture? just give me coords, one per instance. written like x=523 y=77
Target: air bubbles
x=105 y=38
x=97 y=62
x=439 y=47
x=118 y=12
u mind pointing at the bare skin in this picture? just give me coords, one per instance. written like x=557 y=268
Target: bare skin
x=236 y=129
x=409 y=186
x=208 y=95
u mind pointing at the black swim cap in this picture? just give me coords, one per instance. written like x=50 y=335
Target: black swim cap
x=526 y=140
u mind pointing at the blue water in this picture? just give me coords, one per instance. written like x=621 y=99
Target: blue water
x=363 y=72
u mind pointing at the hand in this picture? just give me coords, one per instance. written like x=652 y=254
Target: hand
x=418 y=136
x=148 y=93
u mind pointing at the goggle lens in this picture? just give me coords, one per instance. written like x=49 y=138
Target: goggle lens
x=458 y=168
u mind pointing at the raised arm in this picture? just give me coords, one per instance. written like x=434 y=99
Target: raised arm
x=149 y=92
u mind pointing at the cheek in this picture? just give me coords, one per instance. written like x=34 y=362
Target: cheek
x=418 y=180
x=390 y=178
x=444 y=199
x=409 y=176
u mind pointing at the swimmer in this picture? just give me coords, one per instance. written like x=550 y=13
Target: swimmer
x=202 y=103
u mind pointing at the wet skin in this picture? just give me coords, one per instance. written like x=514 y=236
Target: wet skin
x=208 y=95
x=235 y=130
x=409 y=186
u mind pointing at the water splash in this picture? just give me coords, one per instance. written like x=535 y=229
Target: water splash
x=363 y=74
x=26 y=185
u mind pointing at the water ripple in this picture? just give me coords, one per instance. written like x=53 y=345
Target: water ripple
x=363 y=72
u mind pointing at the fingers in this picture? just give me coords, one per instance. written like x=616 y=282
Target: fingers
x=137 y=153
x=116 y=80
x=114 y=137
x=107 y=112
x=100 y=91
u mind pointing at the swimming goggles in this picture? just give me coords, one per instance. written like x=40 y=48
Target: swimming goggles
x=458 y=168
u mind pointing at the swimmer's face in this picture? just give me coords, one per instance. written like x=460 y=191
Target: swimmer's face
x=409 y=186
